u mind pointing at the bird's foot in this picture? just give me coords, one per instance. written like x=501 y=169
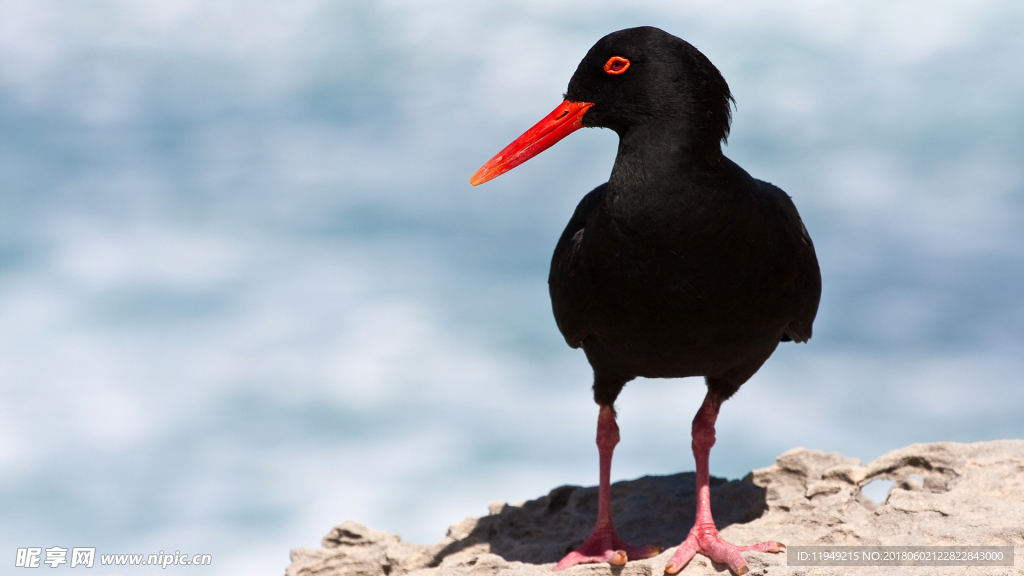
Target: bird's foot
x=605 y=545
x=706 y=540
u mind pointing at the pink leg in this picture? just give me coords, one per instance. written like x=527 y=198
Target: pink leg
x=604 y=544
x=704 y=537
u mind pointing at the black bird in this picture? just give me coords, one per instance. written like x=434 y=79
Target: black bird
x=682 y=264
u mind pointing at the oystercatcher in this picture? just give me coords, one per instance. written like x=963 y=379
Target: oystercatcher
x=682 y=264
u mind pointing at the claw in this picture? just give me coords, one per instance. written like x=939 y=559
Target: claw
x=618 y=558
x=671 y=568
x=773 y=547
x=743 y=570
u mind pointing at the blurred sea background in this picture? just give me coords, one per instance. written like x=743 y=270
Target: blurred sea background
x=246 y=291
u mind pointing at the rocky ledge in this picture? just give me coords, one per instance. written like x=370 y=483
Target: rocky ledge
x=947 y=494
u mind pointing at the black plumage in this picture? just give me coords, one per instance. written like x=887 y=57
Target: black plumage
x=682 y=264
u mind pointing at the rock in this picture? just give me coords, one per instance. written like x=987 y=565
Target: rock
x=943 y=494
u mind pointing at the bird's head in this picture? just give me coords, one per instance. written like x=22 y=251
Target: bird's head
x=638 y=77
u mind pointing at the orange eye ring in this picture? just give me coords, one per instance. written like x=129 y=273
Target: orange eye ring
x=616 y=65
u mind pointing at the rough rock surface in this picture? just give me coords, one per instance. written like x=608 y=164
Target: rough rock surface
x=944 y=494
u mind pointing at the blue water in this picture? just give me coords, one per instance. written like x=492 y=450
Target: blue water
x=247 y=293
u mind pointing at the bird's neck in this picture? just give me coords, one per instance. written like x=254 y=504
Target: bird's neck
x=664 y=158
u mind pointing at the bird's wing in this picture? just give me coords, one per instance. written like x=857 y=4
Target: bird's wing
x=564 y=281
x=800 y=329
x=806 y=280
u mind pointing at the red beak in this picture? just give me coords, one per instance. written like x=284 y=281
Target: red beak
x=564 y=120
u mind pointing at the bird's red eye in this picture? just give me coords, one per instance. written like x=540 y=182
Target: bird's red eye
x=616 y=65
